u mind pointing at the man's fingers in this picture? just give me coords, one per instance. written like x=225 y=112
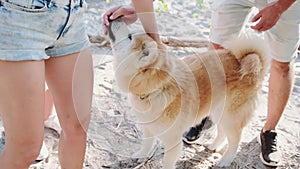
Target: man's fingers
x=256 y=17
x=258 y=27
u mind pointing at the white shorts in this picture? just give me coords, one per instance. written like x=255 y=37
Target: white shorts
x=230 y=16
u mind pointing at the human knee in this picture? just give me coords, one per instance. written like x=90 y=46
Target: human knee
x=26 y=151
x=31 y=155
x=282 y=68
x=76 y=129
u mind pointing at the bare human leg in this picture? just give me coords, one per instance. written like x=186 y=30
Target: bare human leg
x=21 y=107
x=280 y=85
x=48 y=104
x=70 y=80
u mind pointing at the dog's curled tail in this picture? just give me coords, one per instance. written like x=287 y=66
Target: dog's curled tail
x=252 y=53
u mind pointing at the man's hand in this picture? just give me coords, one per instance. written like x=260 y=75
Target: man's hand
x=269 y=16
x=127 y=12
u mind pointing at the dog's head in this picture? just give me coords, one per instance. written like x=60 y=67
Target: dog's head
x=143 y=66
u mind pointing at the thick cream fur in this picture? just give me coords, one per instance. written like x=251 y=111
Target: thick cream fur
x=169 y=95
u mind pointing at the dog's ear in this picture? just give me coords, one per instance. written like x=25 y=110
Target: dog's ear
x=148 y=56
x=139 y=40
x=147 y=51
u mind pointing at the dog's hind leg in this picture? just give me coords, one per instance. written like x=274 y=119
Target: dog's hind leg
x=233 y=126
x=147 y=145
x=219 y=140
x=173 y=148
x=233 y=134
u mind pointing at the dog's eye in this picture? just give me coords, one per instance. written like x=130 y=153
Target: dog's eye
x=144 y=70
x=145 y=52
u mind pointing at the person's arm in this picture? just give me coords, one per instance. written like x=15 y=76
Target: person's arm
x=145 y=12
x=284 y=5
x=142 y=9
x=270 y=15
x=127 y=12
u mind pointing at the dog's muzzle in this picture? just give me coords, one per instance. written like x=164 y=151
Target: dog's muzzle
x=118 y=31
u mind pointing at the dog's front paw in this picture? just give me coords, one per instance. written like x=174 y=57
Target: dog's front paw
x=168 y=167
x=222 y=164
x=225 y=161
x=140 y=154
x=211 y=147
x=217 y=145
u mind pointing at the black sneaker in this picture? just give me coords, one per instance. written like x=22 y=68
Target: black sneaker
x=270 y=154
x=196 y=132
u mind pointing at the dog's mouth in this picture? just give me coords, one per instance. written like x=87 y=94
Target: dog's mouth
x=117 y=30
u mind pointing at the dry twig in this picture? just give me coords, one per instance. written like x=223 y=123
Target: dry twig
x=167 y=40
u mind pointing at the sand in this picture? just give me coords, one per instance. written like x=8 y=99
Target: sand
x=113 y=134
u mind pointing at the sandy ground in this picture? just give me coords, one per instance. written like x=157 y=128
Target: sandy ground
x=113 y=134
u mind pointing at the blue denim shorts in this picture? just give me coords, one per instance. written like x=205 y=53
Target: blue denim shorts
x=40 y=29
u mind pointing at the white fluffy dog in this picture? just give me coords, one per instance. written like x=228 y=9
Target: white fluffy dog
x=169 y=94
